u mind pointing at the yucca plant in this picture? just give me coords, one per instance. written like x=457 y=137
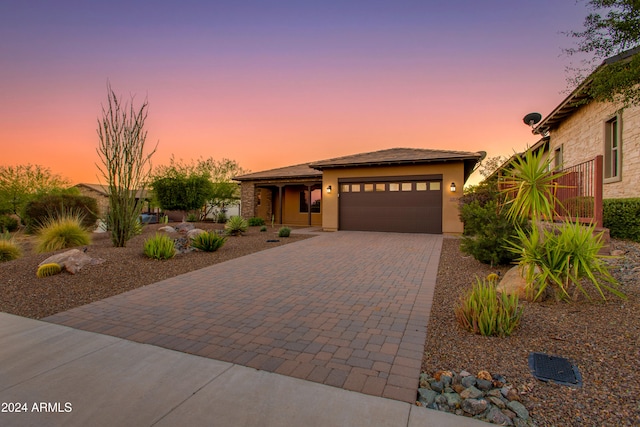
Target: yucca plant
x=284 y=232
x=530 y=187
x=64 y=231
x=564 y=260
x=159 y=247
x=208 y=242
x=236 y=225
x=9 y=250
x=483 y=311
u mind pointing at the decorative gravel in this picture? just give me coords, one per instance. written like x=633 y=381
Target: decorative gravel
x=601 y=338
x=124 y=269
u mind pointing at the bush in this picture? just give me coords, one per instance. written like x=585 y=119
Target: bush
x=9 y=250
x=8 y=223
x=563 y=260
x=284 y=232
x=263 y=228
x=236 y=225
x=482 y=311
x=208 y=242
x=159 y=247
x=61 y=232
x=49 y=269
x=45 y=207
x=255 y=221
x=192 y=217
x=221 y=218
x=487 y=230
x=622 y=218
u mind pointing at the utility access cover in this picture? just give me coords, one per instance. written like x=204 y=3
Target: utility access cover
x=553 y=368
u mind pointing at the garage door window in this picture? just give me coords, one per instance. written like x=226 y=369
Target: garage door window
x=355 y=188
x=345 y=188
x=368 y=187
x=421 y=186
x=380 y=187
x=434 y=186
x=406 y=186
x=394 y=186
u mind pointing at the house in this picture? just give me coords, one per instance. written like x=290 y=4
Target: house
x=396 y=190
x=579 y=130
x=101 y=194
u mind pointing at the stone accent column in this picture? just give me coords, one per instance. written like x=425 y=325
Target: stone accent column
x=248 y=199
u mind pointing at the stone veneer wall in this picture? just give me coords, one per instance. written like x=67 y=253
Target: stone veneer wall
x=247 y=199
x=582 y=138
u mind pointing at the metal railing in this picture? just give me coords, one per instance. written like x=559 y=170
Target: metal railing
x=579 y=192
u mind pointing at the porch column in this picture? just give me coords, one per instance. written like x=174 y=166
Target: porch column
x=309 y=202
x=280 y=201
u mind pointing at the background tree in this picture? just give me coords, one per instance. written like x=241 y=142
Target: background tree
x=22 y=183
x=612 y=27
x=125 y=165
x=491 y=164
x=225 y=190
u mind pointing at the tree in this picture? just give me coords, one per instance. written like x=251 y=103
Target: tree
x=125 y=165
x=22 y=183
x=491 y=164
x=613 y=27
x=225 y=190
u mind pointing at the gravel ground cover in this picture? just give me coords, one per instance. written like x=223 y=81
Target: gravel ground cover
x=602 y=339
x=124 y=269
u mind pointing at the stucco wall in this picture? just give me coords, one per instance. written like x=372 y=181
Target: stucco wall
x=451 y=172
x=292 y=214
x=582 y=138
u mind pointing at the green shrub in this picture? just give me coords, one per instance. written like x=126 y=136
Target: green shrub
x=208 y=242
x=255 y=221
x=562 y=260
x=263 y=228
x=487 y=230
x=221 y=218
x=159 y=247
x=236 y=225
x=8 y=223
x=192 y=217
x=483 y=311
x=284 y=232
x=9 y=250
x=61 y=232
x=38 y=211
x=49 y=269
x=622 y=218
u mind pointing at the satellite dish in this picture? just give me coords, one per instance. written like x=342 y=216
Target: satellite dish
x=532 y=119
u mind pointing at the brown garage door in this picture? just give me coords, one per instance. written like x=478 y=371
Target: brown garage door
x=402 y=204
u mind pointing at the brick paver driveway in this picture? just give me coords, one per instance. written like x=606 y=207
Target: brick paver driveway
x=347 y=309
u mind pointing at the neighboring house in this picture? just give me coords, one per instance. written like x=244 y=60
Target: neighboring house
x=579 y=130
x=101 y=194
x=397 y=190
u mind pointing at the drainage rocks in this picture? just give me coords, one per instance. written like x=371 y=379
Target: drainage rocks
x=483 y=396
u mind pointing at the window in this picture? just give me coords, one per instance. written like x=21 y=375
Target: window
x=259 y=197
x=355 y=188
x=434 y=186
x=394 y=186
x=316 y=197
x=612 y=150
x=368 y=187
x=406 y=186
x=421 y=186
x=557 y=158
x=345 y=188
x=380 y=187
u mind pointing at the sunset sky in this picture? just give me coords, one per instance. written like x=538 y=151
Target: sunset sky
x=275 y=83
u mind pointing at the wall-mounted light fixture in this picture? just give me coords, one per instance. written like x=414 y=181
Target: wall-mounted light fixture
x=453 y=187
x=328 y=189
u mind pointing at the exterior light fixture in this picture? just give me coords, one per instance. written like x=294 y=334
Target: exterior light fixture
x=453 y=187
x=328 y=189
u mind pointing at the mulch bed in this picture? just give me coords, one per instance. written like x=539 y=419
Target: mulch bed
x=601 y=338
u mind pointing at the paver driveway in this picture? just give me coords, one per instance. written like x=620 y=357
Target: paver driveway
x=347 y=309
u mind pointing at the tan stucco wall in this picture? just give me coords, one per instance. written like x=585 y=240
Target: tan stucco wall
x=582 y=138
x=451 y=172
x=291 y=208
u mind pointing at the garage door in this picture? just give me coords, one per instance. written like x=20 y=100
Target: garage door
x=404 y=204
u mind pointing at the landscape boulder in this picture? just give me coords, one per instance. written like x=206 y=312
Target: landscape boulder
x=513 y=282
x=72 y=260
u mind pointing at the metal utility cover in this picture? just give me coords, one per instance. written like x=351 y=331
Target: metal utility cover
x=554 y=368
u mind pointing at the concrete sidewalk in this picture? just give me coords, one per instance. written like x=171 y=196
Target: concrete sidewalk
x=64 y=376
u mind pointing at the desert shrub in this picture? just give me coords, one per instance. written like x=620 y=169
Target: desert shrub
x=9 y=250
x=263 y=228
x=236 y=225
x=38 y=211
x=563 y=260
x=622 y=218
x=255 y=221
x=483 y=311
x=221 y=217
x=192 y=217
x=487 y=230
x=284 y=232
x=208 y=242
x=49 y=269
x=8 y=223
x=159 y=247
x=61 y=232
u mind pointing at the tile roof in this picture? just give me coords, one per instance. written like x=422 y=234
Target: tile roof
x=397 y=156
x=295 y=171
